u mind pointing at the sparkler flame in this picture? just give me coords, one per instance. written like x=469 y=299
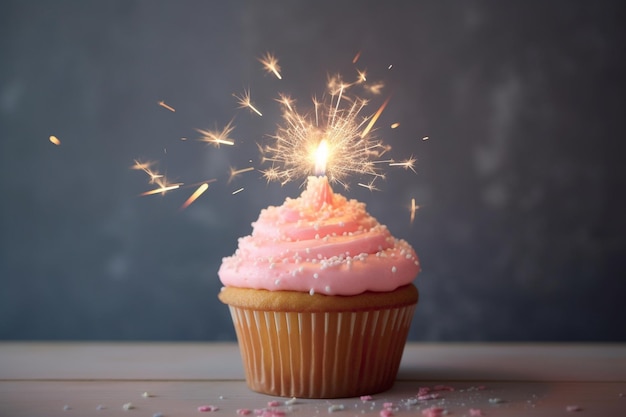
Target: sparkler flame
x=336 y=128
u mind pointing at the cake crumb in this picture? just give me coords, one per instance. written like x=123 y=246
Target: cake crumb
x=335 y=407
x=433 y=412
x=207 y=408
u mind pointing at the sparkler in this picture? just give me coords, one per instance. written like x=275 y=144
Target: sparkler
x=337 y=126
x=337 y=121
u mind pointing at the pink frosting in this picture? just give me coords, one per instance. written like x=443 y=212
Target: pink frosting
x=323 y=243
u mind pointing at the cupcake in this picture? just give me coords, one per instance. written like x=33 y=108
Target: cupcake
x=321 y=298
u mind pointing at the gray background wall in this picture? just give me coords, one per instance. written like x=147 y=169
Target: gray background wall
x=522 y=228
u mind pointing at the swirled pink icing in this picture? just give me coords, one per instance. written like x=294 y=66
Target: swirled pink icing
x=320 y=242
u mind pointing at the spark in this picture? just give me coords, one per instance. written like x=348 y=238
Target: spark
x=356 y=57
x=375 y=117
x=425 y=138
x=362 y=76
x=244 y=101
x=389 y=67
x=395 y=125
x=234 y=172
x=414 y=208
x=375 y=88
x=270 y=63
x=166 y=106
x=369 y=186
x=285 y=100
x=216 y=137
x=55 y=140
x=237 y=191
x=406 y=164
x=337 y=119
x=162 y=189
x=193 y=197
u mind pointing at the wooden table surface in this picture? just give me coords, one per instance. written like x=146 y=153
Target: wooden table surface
x=98 y=379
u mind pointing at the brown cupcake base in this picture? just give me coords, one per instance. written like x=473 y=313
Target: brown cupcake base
x=298 y=345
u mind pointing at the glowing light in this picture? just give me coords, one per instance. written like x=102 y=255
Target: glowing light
x=321 y=156
x=193 y=197
x=166 y=106
x=395 y=125
x=244 y=101
x=55 y=140
x=270 y=63
x=237 y=191
x=425 y=138
x=356 y=57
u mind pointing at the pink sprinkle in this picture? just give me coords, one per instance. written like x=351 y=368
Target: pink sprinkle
x=573 y=408
x=243 y=411
x=273 y=404
x=206 y=408
x=423 y=391
x=433 y=412
x=386 y=413
x=366 y=398
x=475 y=412
x=443 y=388
x=387 y=405
x=424 y=397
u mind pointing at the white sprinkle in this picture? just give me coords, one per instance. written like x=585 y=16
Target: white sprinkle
x=496 y=400
x=394 y=269
x=317 y=236
x=335 y=407
x=146 y=395
x=157 y=414
x=277 y=282
x=327 y=288
x=272 y=265
x=316 y=275
x=291 y=401
x=66 y=407
x=128 y=406
x=100 y=407
x=311 y=291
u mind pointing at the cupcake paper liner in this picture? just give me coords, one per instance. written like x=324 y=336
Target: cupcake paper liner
x=321 y=354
